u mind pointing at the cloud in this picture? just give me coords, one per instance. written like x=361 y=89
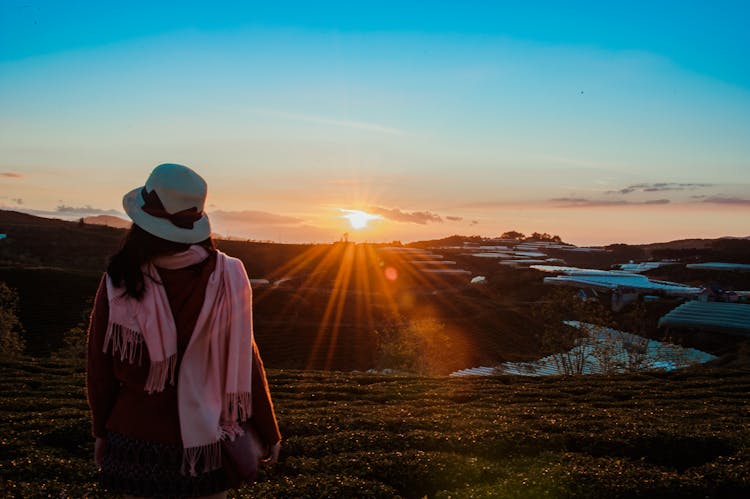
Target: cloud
x=264 y=226
x=454 y=219
x=660 y=187
x=11 y=175
x=572 y=202
x=727 y=200
x=253 y=217
x=83 y=210
x=66 y=212
x=417 y=217
x=258 y=228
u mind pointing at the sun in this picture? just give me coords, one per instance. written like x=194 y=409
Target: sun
x=358 y=219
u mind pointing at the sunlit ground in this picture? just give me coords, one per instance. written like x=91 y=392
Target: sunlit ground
x=363 y=278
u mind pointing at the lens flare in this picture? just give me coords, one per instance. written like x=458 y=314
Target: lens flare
x=391 y=274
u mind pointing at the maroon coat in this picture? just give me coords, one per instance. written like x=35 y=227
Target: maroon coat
x=115 y=388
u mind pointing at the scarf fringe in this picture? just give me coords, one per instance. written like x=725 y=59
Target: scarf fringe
x=231 y=430
x=209 y=454
x=158 y=373
x=128 y=343
x=237 y=406
x=125 y=341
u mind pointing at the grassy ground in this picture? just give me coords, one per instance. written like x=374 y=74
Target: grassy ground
x=357 y=435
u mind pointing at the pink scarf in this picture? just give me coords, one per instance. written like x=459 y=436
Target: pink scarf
x=214 y=381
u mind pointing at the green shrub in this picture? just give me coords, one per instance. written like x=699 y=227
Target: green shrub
x=11 y=330
x=73 y=349
x=420 y=347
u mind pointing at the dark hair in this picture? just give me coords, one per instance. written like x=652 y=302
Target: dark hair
x=137 y=248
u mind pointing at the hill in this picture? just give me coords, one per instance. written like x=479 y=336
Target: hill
x=324 y=316
x=327 y=305
x=354 y=435
x=681 y=244
x=108 y=221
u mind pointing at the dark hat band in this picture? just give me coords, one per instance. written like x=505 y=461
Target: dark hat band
x=184 y=219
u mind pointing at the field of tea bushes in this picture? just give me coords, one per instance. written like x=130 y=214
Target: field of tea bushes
x=359 y=435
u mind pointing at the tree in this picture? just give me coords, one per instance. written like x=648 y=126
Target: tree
x=536 y=236
x=421 y=347
x=11 y=329
x=73 y=349
x=573 y=348
x=597 y=345
x=513 y=234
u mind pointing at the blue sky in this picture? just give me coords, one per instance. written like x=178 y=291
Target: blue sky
x=705 y=37
x=502 y=116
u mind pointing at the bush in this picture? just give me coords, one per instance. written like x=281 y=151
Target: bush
x=647 y=435
x=11 y=330
x=420 y=347
x=73 y=350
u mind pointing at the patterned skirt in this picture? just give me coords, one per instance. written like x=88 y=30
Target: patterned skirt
x=149 y=469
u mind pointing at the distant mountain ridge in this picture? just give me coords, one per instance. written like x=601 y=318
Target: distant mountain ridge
x=689 y=243
x=108 y=221
x=9 y=217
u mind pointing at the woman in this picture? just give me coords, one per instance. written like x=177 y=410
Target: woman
x=173 y=369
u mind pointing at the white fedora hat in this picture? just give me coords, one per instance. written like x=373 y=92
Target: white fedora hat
x=170 y=205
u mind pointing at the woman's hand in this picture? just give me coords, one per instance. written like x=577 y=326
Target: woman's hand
x=100 y=450
x=275 y=453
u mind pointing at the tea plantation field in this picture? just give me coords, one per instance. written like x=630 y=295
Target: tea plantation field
x=358 y=435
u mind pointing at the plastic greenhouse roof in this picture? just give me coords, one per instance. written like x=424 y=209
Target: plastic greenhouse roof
x=731 y=318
